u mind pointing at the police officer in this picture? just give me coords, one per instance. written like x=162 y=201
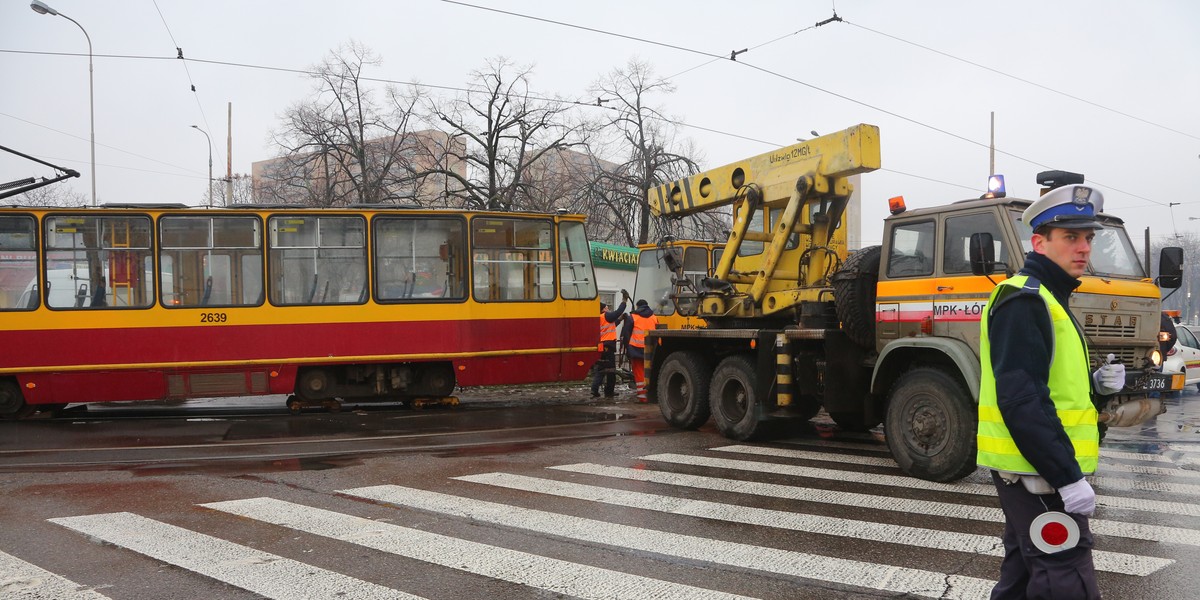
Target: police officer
x=1037 y=420
x=607 y=365
x=644 y=321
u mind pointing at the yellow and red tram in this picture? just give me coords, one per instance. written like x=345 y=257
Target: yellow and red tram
x=136 y=302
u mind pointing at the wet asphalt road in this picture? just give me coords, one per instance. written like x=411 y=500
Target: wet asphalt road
x=535 y=494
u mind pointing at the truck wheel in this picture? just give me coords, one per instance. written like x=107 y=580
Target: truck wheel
x=734 y=401
x=683 y=389
x=930 y=426
x=854 y=295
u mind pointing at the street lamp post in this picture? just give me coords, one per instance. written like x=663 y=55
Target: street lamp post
x=210 y=179
x=42 y=8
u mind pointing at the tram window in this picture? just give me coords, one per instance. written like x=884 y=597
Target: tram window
x=513 y=259
x=197 y=257
x=419 y=258
x=99 y=261
x=317 y=260
x=575 y=262
x=19 y=289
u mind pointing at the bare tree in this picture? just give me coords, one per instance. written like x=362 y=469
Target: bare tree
x=61 y=196
x=344 y=146
x=243 y=189
x=652 y=155
x=505 y=138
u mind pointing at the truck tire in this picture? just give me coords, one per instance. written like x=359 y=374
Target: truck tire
x=734 y=401
x=930 y=425
x=854 y=295
x=682 y=386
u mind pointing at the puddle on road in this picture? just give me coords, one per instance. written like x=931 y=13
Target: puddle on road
x=242 y=467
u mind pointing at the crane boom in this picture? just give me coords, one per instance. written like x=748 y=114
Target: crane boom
x=800 y=190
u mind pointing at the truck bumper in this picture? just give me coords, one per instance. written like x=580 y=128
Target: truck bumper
x=1134 y=405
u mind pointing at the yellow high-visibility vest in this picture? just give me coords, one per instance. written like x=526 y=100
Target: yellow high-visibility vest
x=1070 y=391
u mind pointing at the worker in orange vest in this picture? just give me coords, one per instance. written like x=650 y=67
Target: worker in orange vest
x=606 y=367
x=644 y=321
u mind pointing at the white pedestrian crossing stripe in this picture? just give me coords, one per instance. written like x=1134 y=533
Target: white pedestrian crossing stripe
x=19 y=579
x=1115 y=562
x=809 y=566
x=1109 y=467
x=1136 y=531
x=259 y=572
x=1099 y=482
x=274 y=576
x=550 y=574
x=878 y=479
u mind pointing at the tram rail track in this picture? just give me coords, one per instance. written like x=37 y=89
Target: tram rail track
x=574 y=423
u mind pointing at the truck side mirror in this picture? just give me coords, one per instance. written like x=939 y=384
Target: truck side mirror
x=1170 y=268
x=983 y=254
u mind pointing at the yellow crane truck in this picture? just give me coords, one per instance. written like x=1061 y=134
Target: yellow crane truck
x=887 y=334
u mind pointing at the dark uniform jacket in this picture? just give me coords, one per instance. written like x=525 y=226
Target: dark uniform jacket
x=1022 y=342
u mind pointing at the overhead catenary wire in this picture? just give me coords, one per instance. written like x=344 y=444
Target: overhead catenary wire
x=599 y=102
x=1025 y=81
x=788 y=78
x=121 y=150
x=191 y=82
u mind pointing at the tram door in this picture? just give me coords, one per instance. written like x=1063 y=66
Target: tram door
x=513 y=277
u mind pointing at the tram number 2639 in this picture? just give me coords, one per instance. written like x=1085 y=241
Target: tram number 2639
x=212 y=317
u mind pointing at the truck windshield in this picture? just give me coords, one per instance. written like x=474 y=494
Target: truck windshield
x=1112 y=251
x=654 y=283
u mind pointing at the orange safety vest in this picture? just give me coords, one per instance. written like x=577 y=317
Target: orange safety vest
x=608 y=332
x=641 y=325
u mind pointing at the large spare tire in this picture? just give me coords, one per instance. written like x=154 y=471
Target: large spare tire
x=854 y=295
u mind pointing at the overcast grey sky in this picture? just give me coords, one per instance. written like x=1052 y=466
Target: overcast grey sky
x=892 y=64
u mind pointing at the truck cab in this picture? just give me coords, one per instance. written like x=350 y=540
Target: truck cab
x=930 y=299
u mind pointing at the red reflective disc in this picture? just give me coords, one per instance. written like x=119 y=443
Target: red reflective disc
x=1055 y=534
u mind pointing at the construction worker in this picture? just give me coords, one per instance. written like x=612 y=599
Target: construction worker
x=607 y=365
x=644 y=322
x=1037 y=418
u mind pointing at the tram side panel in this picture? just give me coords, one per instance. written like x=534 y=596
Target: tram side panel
x=110 y=352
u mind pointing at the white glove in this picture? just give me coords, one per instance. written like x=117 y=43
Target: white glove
x=1078 y=498
x=1109 y=378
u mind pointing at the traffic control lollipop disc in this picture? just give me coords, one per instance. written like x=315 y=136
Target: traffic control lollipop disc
x=1054 y=532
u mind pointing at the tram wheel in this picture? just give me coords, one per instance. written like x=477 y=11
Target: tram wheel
x=12 y=401
x=294 y=405
x=314 y=384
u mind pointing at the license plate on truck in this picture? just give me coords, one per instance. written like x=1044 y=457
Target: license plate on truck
x=1158 y=382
